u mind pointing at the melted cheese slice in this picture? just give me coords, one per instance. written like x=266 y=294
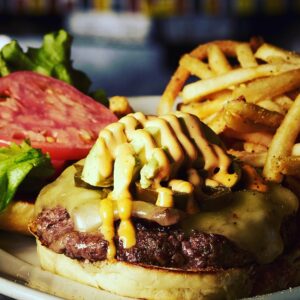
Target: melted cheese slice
x=250 y=219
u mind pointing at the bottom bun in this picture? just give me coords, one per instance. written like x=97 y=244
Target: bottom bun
x=147 y=282
x=17 y=216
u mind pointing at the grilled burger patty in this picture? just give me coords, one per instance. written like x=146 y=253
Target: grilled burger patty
x=156 y=245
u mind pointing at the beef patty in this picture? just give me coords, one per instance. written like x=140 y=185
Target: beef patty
x=155 y=245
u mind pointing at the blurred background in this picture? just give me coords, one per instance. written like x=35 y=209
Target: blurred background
x=131 y=47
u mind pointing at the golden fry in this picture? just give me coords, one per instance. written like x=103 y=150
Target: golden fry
x=216 y=122
x=217 y=60
x=245 y=56
x=284 y=102
x=203 y=109
x=119 y=105
x=253 y=159
x=196 y=67
x=269 y=87
x=296 y=150
x=282 y=143
x=261 y=137
x=254 y=148
x=290 y=165
x=181 y=74
x=272 y=106
x=248 y=112
x=273 y=54
x=199 y=89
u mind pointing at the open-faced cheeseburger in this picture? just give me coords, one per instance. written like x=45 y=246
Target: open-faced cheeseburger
x=158 y=210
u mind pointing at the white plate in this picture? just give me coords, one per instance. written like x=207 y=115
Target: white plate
x=22 y=278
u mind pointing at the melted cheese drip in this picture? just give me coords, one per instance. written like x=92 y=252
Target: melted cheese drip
x=158 y=148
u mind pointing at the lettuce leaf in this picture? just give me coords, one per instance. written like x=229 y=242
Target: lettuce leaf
x=53 y=59
x=20 y=164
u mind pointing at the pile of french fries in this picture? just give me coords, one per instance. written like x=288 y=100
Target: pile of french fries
x=250 y=94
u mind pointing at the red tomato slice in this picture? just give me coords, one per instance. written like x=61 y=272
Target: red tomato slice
x=53 y=115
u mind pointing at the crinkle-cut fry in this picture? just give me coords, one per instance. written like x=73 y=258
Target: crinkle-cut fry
x=261 y=137
x=273 y=54
x=201 y=88
x=284 y=102
x=196 y=67
x=245 y=56
x=269 y=87
x=255 y=114
x=181 y=74
x=272 y=106
x=217 y=60
x=290 y=165
x=254 y=159
x=254 y=148
x=282 y=143
x=203 y=109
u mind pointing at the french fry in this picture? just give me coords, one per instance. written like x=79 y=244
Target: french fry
x=284 y=102
x=290 y=165
x=199 y=89
x=255 y=114
x=273 y=54
x=217 y=60
x=245 y=56
x=296 y=150
x=204 y=109
x=172 y=90
x=261 y=137
x=269 y=87
x=196 y=67
x=216 y=122
x=282 y=143
x=272 y=106
x=238 y=124
x=119 y=105
x=254 y=148
x=181 y=74
x=254 y=159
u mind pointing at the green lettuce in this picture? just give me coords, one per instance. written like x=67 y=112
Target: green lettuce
x=53 y=58
x=22 y=164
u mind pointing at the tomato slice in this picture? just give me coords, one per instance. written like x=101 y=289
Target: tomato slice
x=53 y=115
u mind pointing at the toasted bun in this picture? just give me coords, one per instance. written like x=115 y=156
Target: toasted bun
x=17 y=216
x=147 y=282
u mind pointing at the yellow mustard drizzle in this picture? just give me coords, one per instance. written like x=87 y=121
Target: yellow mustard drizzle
x=124 y=172
x=107 y=228
x=164 y=168
x=189 y=148
x=168 y=140
x=162 y=142
x=126 y=230
x=222 y=175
